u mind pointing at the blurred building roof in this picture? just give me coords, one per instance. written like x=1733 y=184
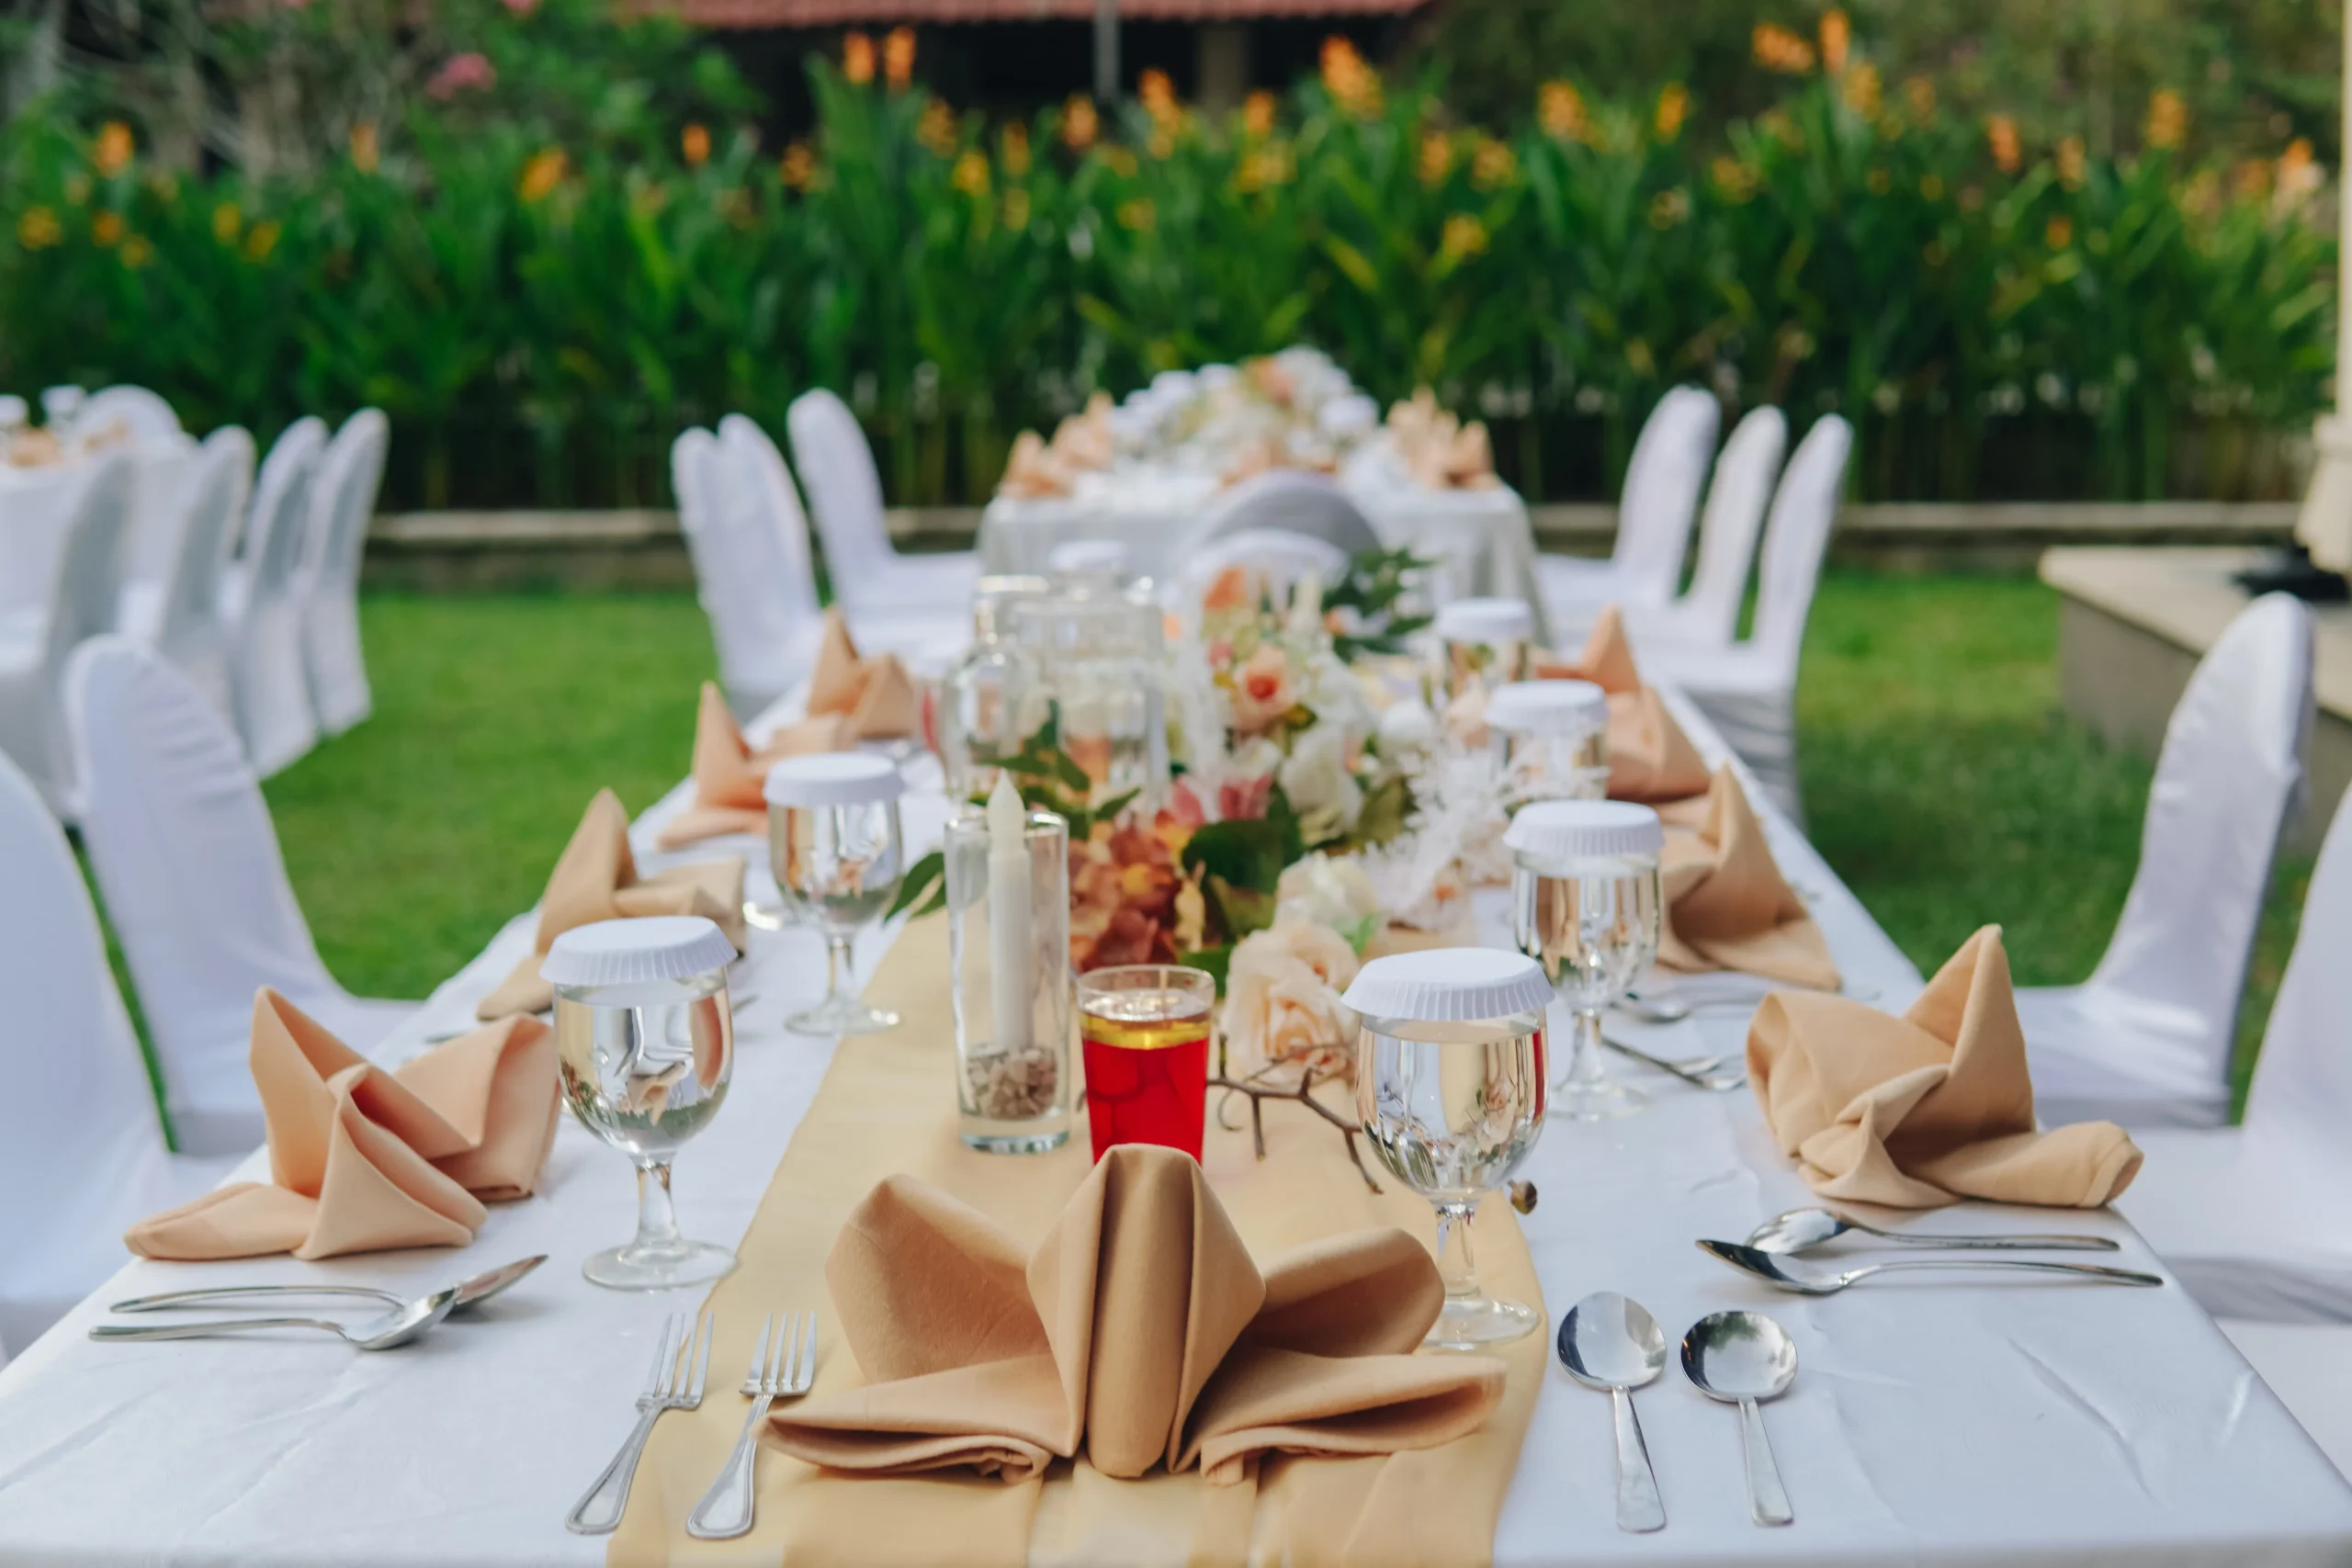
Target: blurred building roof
x=841 y=13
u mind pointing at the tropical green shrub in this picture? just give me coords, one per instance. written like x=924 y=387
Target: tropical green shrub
x=540 y=302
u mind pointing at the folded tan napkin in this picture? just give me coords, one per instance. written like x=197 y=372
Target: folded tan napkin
x=1727 y=906
x=875 y=696
x=1437 y=448
x=1087 y=440
x=730 y=777
x=596 y=879
x=360 y=1158
x=1929 y=1107
x=1139 y=1327
x=1650 y=759
x=1033 y=471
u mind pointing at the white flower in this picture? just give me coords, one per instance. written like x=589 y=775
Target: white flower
x=1282 y=999
x=1408 y=725
x=1315 y=777
x=1325 y=891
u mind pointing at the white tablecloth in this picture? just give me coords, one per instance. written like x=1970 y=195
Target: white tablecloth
x=1481 y=538
x=1937 y=1422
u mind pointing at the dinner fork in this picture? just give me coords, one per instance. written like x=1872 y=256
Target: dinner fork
x=680 y=1364
x=778 y=1372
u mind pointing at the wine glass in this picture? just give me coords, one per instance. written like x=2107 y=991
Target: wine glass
x=1550 y=739
x=1450 y=1087
x=1587 y=906
x=839 y=855
x=644 y=1046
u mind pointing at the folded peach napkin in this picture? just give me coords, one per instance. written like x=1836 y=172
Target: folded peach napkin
x=1139 y=1328
x=874 y=696
x=1650 y=759
x=362 y=1159
x=1437 y=448
x=1727 y=906
x=729 y=775
x=596 y=879
x=1929 y=1107
x=1033 y=471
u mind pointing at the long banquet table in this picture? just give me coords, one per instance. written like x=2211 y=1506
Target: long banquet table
x=1947 y=1423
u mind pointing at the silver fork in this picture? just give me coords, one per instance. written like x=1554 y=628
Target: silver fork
x=778 y=1372
x=680 y=1364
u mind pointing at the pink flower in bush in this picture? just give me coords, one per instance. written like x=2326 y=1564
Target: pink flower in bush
x=522 y=8
x=458 y=73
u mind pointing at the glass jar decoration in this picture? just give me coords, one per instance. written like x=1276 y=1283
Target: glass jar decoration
x=1483 y=643
x=989 y=702
x=1099 y=660
x=1587 y=904
x=1550 y=740
x=1008 y=942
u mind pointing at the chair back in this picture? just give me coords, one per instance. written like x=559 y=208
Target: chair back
x=836 y=466
x=1276 y=558
x=220 y=488
x=81 y=597
x=342 y=498
x=1660 y=500
x=281 y=488
x=1796 y=535
x=1736 y=497
x=187 y=861
x=774 y=509
x=2230 y=763
x=2300 y=1099
x=739 y=568
x=147 y=416
x=1292 y=502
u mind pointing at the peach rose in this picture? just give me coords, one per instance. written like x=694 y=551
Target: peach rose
x=1263 y=690
x=1282 y=999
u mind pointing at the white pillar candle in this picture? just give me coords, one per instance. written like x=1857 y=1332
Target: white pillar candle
x=1013 y=965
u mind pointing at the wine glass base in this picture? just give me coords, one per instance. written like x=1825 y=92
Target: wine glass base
x=634 y=1268
x=1470 y=1323
x=1601 y=1102
x=840 y=1016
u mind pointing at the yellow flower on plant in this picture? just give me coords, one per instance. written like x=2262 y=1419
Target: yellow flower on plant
x=1733 y=178
x=1016 y=208
x=2074 y=163
x=694 y=145
x=365 y=152
x=797 y=168
x=1837 y=38
x=541 y=173
x=1493 y=166
x=1777 y=49
x=39 y=228
x=138 y=251
x=227 y=222
x=971 y=176
x=1668 y=208
x=1775 y=123
x=2001 y=136
x=1257 y=113
x=1352 y=84
x=1436 y=158
x=1462 y=236
x=1265 y=168
x=1673 y=108
x=857 y=59
x=2059 y=233
x=106 y=228
x=936 y=128
x=1860 y=89
x=2167 y=119
x=1138 y=215
x=1080 y=123
x=262 y=241
x=899 y=58
x=1161 y=143
x=2299 y=178
x=1015 y=143
x=2250 y=181
x=1921 y=93
x=1559 y=109
x=1121 y=162
x=115 y=145
x=1157 y=95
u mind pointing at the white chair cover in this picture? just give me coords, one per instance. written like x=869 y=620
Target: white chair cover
x=343 y=502
x=85 y=1154
x=836 y=468
x=146 y=416
x=262 y=610
x=1654 y=517
x=2145 y=1040
x=1276 y=556
x=84 y=584
x=762 y=619
x=1296 y=503
x=181 y=842
x=1708 y=615
x=2254 y=1218
x=180 y=615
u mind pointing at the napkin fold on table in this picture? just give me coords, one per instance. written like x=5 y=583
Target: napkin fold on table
x=596 y=879
x=1929 y=1108
x=1139 y=1328
x=1727 y=907
x=1650 y=759
x=360 y=1158
x=730 y=775
x=872 y=698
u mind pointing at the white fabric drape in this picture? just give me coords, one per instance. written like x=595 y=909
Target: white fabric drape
x=178 y=613
x=836 y=468
x=1707 y=615
x=84 y=580
x=261 y=609
x=343 y=502
x=1655 y=513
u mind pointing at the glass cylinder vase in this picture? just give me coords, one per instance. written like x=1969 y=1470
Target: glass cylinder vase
x=1008 y=937
x=1098 y=659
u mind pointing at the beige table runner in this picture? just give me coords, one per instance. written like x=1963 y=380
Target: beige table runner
x=888 y=1104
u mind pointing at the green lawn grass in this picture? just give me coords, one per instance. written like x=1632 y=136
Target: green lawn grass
x=1940 y=779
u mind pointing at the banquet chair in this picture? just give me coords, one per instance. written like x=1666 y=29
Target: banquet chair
x=1750 y=689
x=187 y=861
x=1275 y=558
x=1707 y=615
x=84 y=1157
x=2145 y=1040
x=2252 y=1218
x=343 y=502
x=35 y=645
x=148 y=417
x=1294 y=502
x=180 y=613
x=1654 y=511
x=261 y=613
x=844 y=489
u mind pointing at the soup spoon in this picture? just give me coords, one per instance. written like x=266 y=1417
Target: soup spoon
x=1800 y=1230
x=395 y=1327
x=470 y=1293
x=1740 y=1358
x=1611 y=1343
x=1810 y=1281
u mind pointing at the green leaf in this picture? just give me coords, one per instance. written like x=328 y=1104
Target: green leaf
x=924 y=889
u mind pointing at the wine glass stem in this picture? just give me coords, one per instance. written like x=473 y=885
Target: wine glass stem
x=838 y=964
x=1453 y=1262
x=657 y=1220
x=1584 y=1051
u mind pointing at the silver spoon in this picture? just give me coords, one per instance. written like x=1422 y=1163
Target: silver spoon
x=1609 y=1342
x=1675 y=1012
x=395 y=1327
x=470 y=1293
x=1690 y=1073
x=1812 y=1281
x=1740 y=1358
x=1800 y=1230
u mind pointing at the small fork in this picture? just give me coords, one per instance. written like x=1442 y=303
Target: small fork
x=777 y=1372
x=681 y=1363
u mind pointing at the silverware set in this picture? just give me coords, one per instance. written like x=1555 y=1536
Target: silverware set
x=783 y=1365
x=1611 y=1343
x=404 y=1320
x=1770 y=1251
